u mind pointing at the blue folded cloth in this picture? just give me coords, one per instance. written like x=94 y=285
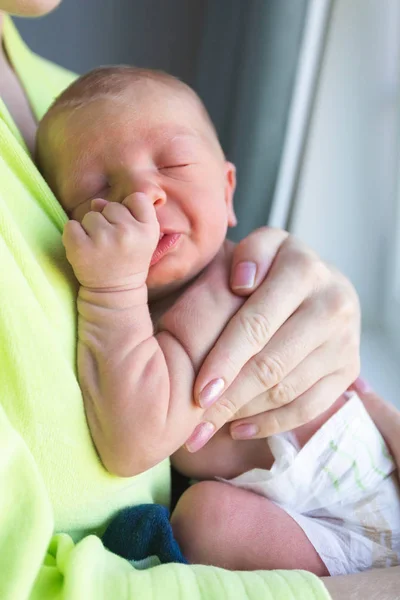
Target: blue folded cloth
x=142 y=532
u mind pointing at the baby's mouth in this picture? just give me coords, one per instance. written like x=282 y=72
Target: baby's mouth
x=166 y=242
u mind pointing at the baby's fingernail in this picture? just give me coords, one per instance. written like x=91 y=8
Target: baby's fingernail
x=211 y=392
x=200 y=436
x=244 y=431
x=244 y=275
x=362 y=386
x=97 y=204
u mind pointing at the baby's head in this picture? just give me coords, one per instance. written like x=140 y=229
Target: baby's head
x=119 y=130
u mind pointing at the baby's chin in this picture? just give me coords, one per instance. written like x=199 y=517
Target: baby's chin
x=161 y=283
x=158 y=290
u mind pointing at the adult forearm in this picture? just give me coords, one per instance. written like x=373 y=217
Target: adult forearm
x=379 y=584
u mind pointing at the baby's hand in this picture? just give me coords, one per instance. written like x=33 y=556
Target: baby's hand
x=112 y=248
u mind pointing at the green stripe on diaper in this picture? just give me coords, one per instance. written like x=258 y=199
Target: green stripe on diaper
x=334 y=480
x=366 y=447
x=354 y=465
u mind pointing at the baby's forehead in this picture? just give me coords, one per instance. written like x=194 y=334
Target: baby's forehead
x=156 y=102
x=137 y=114
x=146 y=114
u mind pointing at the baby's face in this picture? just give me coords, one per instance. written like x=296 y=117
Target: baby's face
x=158 y=143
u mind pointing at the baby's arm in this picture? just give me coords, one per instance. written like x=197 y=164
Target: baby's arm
x=223 y=457
x=137 y=387
x=130 y=379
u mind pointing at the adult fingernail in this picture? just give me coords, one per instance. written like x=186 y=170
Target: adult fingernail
x=244 y=431
x=362 y=386
x=200 y=436
x=211 y=392
x=244 y=275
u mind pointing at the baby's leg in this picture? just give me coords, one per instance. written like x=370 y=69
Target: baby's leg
x=216 y=523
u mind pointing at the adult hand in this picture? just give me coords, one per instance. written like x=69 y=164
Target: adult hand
x=385 y=416
x=290 y=350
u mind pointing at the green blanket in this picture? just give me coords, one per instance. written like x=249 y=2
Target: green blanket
x=51 y=478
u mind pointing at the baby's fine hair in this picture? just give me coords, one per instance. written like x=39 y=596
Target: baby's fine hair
x=104 y=83
x=112 y=81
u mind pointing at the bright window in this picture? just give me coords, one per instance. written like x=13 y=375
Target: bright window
x=344 y=198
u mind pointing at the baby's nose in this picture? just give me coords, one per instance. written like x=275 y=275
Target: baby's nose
x=152 y=191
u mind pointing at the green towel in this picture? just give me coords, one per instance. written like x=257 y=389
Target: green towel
x=51 y=479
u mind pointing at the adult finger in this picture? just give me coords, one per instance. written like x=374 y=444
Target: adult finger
x=253 y=257
x=287 y=352
x=289 y=282
x=297 y=382
x=303 y=409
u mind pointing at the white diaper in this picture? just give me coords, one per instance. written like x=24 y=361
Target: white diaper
x=341 y=488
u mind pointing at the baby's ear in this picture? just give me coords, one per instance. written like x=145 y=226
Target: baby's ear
x=230 y=186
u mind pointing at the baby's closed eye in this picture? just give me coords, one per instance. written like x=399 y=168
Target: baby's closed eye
x=180 y=171
x=173 y=166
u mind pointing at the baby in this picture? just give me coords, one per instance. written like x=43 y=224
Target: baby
x=135 y=161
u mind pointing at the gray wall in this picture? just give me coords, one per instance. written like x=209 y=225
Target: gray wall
x=245 y=75
x=162 y=34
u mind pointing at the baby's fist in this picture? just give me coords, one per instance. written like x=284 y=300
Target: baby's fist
x=112 y=247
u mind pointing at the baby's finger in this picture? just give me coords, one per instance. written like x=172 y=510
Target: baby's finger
x=74 y=234
x=141 y=207
x=95 y=225
x=98 y=204
x=117 y=214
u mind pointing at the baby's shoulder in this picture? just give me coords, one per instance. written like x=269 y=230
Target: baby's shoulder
x=217 y=273
x=212 y=286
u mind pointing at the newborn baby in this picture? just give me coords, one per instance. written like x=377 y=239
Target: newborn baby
x=135 y=161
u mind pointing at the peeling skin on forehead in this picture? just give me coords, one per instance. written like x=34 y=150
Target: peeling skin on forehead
x=171 y=110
